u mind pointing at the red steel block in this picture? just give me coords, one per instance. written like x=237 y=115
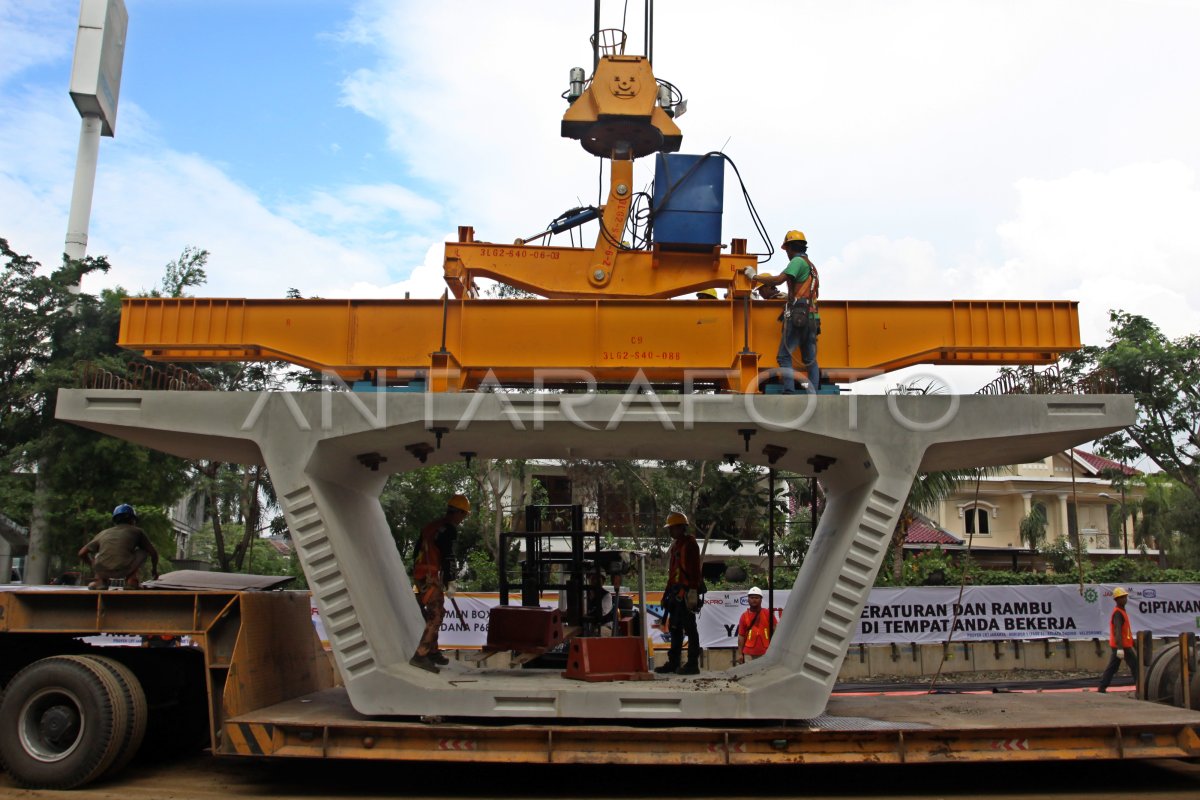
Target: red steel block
x=610 y=658
x=524 y=628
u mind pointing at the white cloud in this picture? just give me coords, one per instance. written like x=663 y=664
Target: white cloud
x=425 y=281
x=34 y=32
x=1123 y=239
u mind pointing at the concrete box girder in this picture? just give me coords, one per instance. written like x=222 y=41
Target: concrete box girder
x=312 y=443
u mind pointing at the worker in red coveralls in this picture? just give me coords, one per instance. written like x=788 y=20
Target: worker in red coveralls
x=754 y=628
x=681 y=600
x=433 y=577
x=1120 y=638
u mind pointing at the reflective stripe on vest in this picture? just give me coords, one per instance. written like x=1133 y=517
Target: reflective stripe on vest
x=758 y=635
x=1126 y=631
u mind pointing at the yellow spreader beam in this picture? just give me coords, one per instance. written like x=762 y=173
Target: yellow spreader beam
x=456 y=343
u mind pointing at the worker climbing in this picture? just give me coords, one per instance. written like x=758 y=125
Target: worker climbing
x=801 y=321
x=433 y=577
x=681 y=600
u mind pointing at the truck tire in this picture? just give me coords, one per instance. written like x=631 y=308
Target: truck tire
x=62 y=723
x=138 y=710
x=1162 y=675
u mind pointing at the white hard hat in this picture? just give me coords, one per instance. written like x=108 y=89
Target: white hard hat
x=755 y=590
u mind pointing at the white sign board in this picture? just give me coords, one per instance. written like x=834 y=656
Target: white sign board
x=99 y=55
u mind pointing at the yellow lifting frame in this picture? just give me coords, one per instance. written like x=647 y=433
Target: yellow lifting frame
x=609 y=270
x=456 y=343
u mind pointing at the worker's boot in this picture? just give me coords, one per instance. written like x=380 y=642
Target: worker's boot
x=667 y=668
x=424 y=662
x=439 y=658
x=692 y=667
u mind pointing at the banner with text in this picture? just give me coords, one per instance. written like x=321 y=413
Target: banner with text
x=916 y=614
x=985 y=613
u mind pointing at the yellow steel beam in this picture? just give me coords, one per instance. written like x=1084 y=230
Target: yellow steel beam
x=456 y=342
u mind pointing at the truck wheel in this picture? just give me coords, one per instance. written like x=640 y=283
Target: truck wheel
x=135 y=704
x=1162 y=675
x=61 y=723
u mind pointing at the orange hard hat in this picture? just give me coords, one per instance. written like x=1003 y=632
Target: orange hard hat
x=459 y=502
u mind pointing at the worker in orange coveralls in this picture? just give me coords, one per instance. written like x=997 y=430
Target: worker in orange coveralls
x=681 y=600
x=1120 y=638
x=433 y=577
x=754 y=628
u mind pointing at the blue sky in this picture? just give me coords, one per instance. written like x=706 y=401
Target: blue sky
x=930 y=150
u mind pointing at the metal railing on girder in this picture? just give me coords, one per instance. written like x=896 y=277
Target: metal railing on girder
x=1051 y=381
x=140 y=375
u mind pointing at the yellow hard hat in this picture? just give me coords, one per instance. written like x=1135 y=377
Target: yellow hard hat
x=707 y=294
x=459 y=502
x=1119 y=592
x=676 y=518
x=793 y=236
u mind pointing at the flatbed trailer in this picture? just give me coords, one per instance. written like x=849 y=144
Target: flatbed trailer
x=269 y=691
x=854 y=730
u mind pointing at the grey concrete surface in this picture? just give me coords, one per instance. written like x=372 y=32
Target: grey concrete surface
x=330 y=452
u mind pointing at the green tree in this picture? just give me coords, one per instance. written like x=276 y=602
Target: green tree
x=1033 y=526
x=411 y=499
x=185 y=272
x=1160 y=373
x=60 y=480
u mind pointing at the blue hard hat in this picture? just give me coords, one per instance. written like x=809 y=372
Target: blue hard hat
x=124 y=509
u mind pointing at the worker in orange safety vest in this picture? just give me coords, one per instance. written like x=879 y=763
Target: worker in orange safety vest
x=1120 y=638
x=754 y=628
x=433 y=578
x=681 y=600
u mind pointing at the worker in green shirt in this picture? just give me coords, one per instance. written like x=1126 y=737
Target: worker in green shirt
x=801 y=320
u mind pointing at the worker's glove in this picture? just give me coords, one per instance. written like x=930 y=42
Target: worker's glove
x=693 y=600
x=749 y=272
x=1121 y=653
x=451 y=588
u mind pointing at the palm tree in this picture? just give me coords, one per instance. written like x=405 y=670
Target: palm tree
x=1033 y=526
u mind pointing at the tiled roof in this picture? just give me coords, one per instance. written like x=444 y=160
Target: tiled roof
x=281 y=546
x=921 y=532
x=1100 y=463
